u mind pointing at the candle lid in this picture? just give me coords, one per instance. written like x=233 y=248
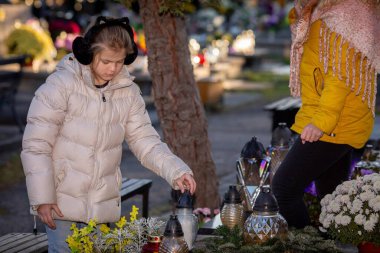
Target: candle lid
x=253 y=149
x=265 y=201
x=232 y=196
x=173 y=227
x=185 y=200
x=281 y=136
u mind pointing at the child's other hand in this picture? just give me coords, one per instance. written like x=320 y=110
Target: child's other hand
x=45 y=214
x=186 y=181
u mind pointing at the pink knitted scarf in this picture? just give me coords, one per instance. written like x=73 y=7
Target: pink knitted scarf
x=356 y=21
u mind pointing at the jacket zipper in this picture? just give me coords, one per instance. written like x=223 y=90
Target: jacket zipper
x=96 y=164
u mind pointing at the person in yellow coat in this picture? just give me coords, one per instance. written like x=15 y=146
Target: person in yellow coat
x=335 y=55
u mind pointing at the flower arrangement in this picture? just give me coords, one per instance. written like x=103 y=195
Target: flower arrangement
x=351 y=213
x=204 y=214
x=126 y=236
x=32 y=40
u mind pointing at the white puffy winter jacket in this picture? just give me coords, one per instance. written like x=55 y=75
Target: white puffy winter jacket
x=72 y=144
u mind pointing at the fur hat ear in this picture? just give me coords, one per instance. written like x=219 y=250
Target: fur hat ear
x=82 y=50
x=131 y=57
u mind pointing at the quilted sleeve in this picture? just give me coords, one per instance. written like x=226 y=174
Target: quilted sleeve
x=147 y=146
x=45 y=117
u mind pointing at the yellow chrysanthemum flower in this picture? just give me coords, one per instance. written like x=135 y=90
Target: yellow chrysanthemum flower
x=134 y=213
x=104 y=229
x=92 y=223
x=121 y=223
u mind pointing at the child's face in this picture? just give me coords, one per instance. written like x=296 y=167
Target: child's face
x=107 y=64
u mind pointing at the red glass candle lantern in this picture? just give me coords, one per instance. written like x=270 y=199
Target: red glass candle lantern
x=153 y=244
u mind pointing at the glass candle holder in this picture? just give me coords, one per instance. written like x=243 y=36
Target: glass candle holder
x=173 y=240
x=265 y=222
x=188 y=220
x=232 y=213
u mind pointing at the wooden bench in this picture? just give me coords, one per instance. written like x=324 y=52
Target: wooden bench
x=132 y=186
x=24 y=242
x=284 y=110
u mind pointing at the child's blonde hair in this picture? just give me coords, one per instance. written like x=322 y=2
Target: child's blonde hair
x=113 y=37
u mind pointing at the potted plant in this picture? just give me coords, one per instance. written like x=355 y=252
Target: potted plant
x=351 y=213
x=32 y=40
x=123 y=236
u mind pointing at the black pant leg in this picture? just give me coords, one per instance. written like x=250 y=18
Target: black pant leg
x=303 y=164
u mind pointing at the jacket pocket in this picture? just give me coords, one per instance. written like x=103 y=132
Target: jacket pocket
x=318 y=81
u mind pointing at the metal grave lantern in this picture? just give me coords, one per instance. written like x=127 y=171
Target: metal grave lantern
x=280 y=145
x=232 y=213
x=188 y=220
x=265 y=222
x=252 y=171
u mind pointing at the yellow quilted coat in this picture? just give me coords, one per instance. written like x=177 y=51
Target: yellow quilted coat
x=338 y=104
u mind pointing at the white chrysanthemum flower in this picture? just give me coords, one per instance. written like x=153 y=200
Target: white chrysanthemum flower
x=376 y=186
x=338 y=219
x=357 y=205
x=326 y=199
x=359 y=232
x=367 y=195
x=335 y=206
x=367 y=178
x=345 y=220
x=369 y=225
x=339 y=189
x=374 y=217
x=375 y=177
x=366 y=188
x=360 y=219
x=352 y=191
x=345 y=199
x=326 y=223
x=375 y=203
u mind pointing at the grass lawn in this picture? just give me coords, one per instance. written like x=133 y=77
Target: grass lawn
x=279 y=83
x=11 y=171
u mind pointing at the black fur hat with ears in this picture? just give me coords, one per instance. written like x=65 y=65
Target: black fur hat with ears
x=82 y=45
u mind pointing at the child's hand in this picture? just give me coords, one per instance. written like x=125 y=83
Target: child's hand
x=45 y=214
x=186 y=181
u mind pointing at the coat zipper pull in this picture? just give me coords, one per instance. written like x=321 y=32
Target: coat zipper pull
x=103 y=97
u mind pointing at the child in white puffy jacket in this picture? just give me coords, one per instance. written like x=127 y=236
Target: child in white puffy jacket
x=76 y=125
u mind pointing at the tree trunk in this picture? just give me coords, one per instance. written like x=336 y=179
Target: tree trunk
x=177 y=99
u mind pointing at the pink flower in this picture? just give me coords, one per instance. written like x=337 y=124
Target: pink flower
x=206 y=211
x=197 y=211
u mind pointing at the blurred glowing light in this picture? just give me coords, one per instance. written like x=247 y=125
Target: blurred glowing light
x=2 y=14
x=244 y=43
x=17 y=24
x=29 y=2
x=37 y=4
x=78 y=6
x=196 y=59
